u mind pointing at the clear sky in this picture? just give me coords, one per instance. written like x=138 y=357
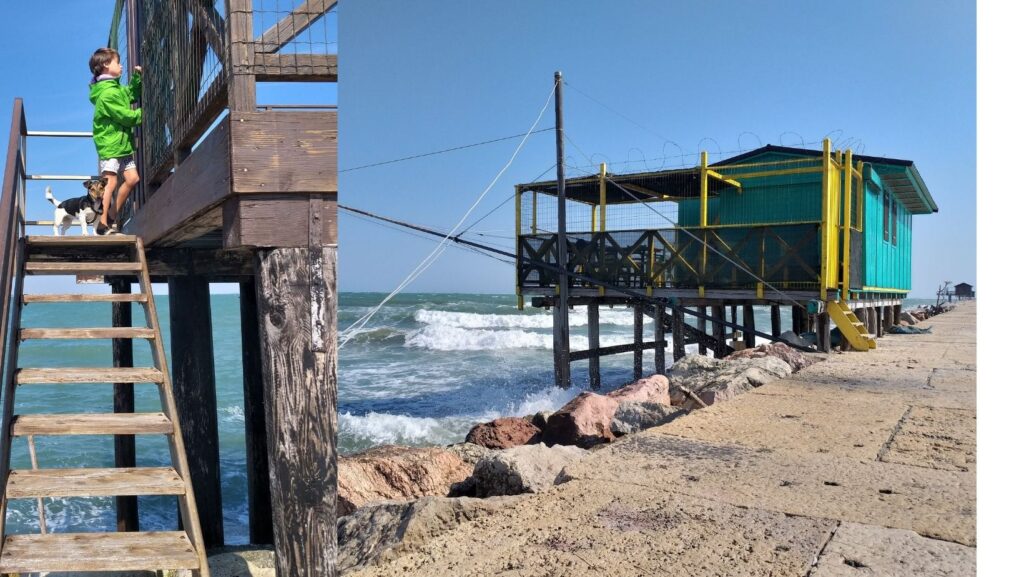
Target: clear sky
x=47 y=48
x=896 y=77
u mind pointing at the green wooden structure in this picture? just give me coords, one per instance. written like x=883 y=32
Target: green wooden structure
x=825 y=231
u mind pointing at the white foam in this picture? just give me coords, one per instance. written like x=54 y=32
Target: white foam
x=448 y=338
x=577 y=318
x=383 y=428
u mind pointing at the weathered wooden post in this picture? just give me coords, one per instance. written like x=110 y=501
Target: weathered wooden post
x=749 y=340
x=638 y=340
x=776 y=320
x=678 y=336
x=702 y=326
x=195 y=392
x=718 y=329
x=594 y=343
x=127 y=507
x=659 y=339
x=261 y=522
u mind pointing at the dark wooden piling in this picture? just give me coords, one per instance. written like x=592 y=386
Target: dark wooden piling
x=594 y=343
x=879 y=322
x=678 y=336
x=887 y=317
x=261 y=521
x=127 y=507
x=897 y=313
x=824 y=333
x=659 y=339
x=638 y=341
x=718 y=329
x=702 y=326
x=732 y=333
x=195 y=393
x=748 y=326
x=776 y=320
x=297 y=318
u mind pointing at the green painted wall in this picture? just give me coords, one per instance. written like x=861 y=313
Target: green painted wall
x=886 y=265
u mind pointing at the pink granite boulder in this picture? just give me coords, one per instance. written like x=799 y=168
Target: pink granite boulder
x=393 y=472
x=792 y=357
x=584 y=421
x=504 y=433
x=653 y=389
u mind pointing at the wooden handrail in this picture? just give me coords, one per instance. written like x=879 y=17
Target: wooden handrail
x=11 y=225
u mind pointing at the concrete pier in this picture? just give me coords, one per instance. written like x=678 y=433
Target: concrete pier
x=863 y=464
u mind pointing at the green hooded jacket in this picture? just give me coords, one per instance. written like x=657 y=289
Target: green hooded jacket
x=114 y=118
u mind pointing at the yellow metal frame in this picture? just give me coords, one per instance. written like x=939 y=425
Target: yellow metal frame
x=847 y=217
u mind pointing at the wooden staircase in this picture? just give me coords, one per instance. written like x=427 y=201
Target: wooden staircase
x=165 y=550
x=851 y=327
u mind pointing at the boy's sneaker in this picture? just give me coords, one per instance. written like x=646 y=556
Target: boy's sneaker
x=114 y=229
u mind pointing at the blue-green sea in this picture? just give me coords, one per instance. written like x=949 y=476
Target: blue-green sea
x=422 y=371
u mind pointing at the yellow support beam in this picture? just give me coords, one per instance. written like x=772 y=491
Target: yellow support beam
x=847 y=217
x=826 y=174
x=703 y=189
x=725 y=179
x=782 y=172
x=860 y=196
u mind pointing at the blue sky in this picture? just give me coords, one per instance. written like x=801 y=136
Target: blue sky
x=420 y=76
x=898 y=77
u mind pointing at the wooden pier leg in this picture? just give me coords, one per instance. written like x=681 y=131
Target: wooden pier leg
x=824 y=336
x=879 y=322
x=702 y=326
x=887 y=317
x=195 y=393
x=749 y=325
x=897 y=313
x=296 y=292
x=594 y=343
x=127 y=507
x=776 y=320
x=678 y=336
x=560 y=346
x=659 y=337
x=638 y=341
x=718 y=329
x=798 y=319
x=261 y=521
x=869 y=319
x=732 y=332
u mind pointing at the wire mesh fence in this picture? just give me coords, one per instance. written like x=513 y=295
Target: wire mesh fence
x=295 y=39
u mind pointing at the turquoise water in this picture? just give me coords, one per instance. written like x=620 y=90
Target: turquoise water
x=421 y=372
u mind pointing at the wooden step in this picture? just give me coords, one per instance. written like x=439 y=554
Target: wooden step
x=98 y=552
x=94 y=333
x=28 y=376
x=87 y=298
x=39 y=241
x=91 y=268
x=30 y=483
x=92 y=424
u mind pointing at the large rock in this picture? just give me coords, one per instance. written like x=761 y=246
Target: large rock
x=792 y=357
x=635 y=416
x=584 y=421
x=908 y=318
x=653 y=389
x=393 y=472
x=470 y=453
x=525 y=469
x=505 y=432
x=381 y=532
x=714 y=383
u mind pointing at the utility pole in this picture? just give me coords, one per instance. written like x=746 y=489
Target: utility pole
x=561 y=316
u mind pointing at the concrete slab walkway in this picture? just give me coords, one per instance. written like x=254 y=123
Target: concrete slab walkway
x=863 y=465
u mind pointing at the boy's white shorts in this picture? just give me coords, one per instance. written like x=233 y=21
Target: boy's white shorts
x=117 y=165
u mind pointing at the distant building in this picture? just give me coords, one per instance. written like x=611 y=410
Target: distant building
x=964 y=291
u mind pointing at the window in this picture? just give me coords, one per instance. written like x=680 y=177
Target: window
x=895 y=222
x=885 y=216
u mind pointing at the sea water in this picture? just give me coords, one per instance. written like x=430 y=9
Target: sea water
x=422 y=371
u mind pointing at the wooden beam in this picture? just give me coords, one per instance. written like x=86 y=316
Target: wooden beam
x=718 y=329
x=296 y=67
x=277 y=220
x=127 y=507
x=261 y=522
x=593 y=343
x=277 y=151
x=206 y=18
x=776 y=320
x=298 y=334
x=702 y=326
x=195 y=393
x=659 y=337
x=749 y=341
x=678 y=337
x=291 y=25
x=614 y=350
x=171 y=262
x=638 y=341
x=242 y=56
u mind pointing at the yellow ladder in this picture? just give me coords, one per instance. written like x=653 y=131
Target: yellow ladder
x=93 y=551
x=851 y=327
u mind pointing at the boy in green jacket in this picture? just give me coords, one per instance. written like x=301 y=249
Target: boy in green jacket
x=112 y=124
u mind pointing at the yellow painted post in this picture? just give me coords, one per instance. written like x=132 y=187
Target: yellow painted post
x=826 y=179
x=593 y=218
x=703 y=215
x=604 y=193
x=847 y=217
x=703 y=189
x=860 y=197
